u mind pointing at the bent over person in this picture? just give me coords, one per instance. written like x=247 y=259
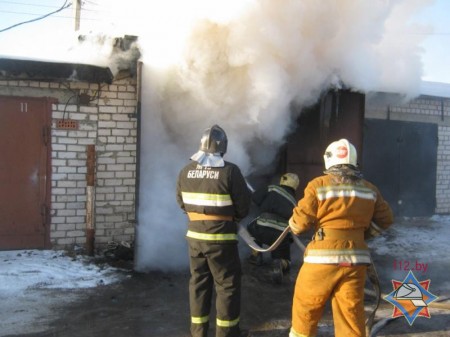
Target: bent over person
x=215 y=197
x=340 y=206
x=275 y=203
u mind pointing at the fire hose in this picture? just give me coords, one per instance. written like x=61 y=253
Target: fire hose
x=371 y=273
x=250 y=240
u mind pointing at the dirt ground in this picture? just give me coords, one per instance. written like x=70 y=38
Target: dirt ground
x=155 y=304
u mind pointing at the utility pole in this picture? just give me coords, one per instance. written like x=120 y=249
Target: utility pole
x=77 y=13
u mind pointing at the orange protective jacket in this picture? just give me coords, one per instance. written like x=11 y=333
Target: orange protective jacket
x=328 y=204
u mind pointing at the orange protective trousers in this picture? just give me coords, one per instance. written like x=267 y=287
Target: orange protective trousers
x=316 y=283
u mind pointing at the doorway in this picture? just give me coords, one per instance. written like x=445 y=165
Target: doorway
x=25 y=172
x=401 y=159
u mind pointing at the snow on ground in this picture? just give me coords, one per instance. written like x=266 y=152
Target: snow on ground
x=428 y=239
x=27 y=269
x=418 y=244
x=28 y=276
x=48 y=269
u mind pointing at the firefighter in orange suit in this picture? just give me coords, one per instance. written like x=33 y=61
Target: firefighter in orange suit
x=215 y=197
x=341 y=207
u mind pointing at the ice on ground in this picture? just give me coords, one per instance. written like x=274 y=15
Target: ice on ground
x=48 y=269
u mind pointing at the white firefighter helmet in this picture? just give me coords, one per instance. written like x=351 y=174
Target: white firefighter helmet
x=340 y=152
x=409 y=291
x=290 y=180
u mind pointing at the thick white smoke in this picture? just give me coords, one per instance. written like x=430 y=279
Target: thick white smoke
x=243 y=73
x=242 y=64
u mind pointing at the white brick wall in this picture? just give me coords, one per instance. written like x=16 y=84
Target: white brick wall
x=443 y=171
x=105 y=123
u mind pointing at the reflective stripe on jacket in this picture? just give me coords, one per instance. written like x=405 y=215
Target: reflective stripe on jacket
x=283 y=192
x=338 y=256
x=327 y=204
x=211 y=237
x=207 y=199
x=272 y=221
x=275 y=203
x=213 y=191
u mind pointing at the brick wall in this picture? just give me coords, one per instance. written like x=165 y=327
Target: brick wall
x=425 y=109
x=443 y=170
x=108 y=122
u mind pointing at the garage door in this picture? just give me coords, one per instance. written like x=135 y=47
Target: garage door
x=24 y=172
x=338 y=114
x=401 y=159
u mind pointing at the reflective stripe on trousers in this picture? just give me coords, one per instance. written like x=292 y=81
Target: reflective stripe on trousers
x=219 y=322
x=212 y=237
x=199 y=320
x=293 y=333
x=227 y=324
x=214 y=265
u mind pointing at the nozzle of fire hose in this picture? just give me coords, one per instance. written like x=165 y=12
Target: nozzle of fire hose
x=372 y=231
x=250 y=187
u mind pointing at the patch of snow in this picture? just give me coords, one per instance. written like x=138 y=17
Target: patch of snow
x=49 y=269
x=425 y=239
x=28 y=279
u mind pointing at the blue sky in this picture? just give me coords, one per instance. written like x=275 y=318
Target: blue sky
x=19 y=41
x=437 y=44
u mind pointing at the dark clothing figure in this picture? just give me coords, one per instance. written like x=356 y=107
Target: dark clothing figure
x=275 y=203
x=215 y=197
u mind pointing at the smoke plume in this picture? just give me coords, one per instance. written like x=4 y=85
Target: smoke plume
x=244 y=72
x=242 y=64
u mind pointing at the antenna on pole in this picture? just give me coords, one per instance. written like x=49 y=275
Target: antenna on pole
x=77 y=14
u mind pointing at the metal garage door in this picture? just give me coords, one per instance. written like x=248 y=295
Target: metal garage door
x=401 y=158
x=24 y=172
x=338 y=114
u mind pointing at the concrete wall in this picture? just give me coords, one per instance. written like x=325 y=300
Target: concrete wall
x=108 y=121
x=424 y=109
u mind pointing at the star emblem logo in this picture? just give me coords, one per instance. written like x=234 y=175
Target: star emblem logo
x=410 y=298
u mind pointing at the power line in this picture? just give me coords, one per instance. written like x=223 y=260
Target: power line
x=64 y=6
x=93 y=10
x=27 y=4
x=21 y=13
x=91 y=2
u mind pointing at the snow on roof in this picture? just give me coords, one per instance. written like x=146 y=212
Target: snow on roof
x=435 y=89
